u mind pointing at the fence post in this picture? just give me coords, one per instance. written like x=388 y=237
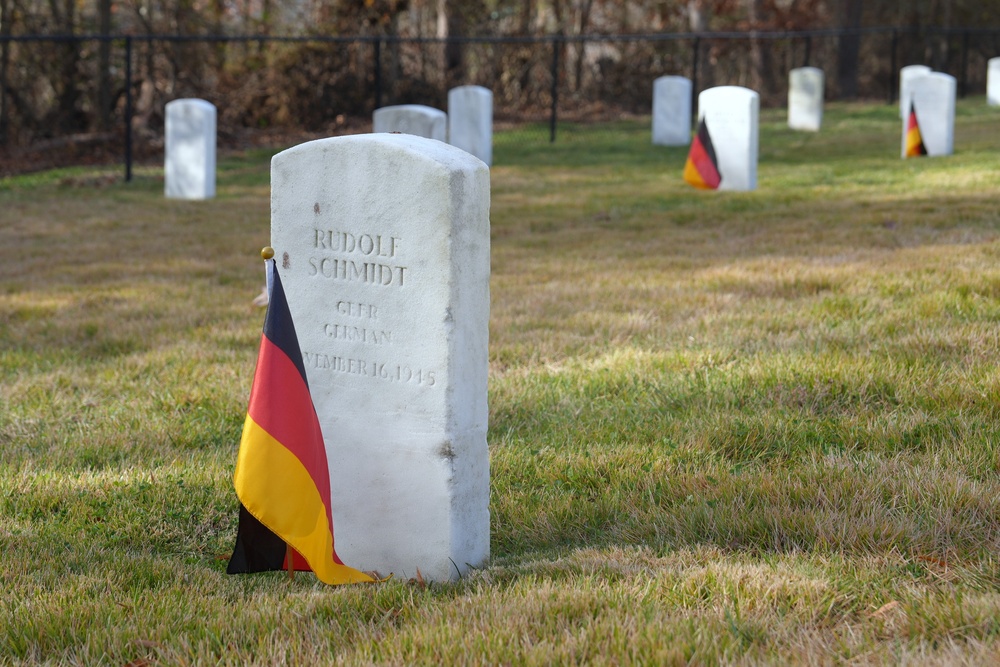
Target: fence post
x=893 y=67
x=695 y=50
x=377 y=44
x=5 y=44
x=555 y=88
x=809 y=43
x=964 y=64
x=128 y=108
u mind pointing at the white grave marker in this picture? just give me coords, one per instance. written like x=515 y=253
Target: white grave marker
x=382 y=242
x=672 y=111
x=732 y=116
x=906 y=76
x=189 y=149
x=933 y=97
x=805 y=99
x=993 y=82
x=470 y=121
x=415 y=119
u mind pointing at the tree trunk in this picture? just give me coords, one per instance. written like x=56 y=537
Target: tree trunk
x=104 y=66
x=756 y=55
x=67 y=118
x=697 y=15
x=527 y=17
x=849 y=47
x=451 y=24
x=4 y=63
x=760 y=57
x=581 y=51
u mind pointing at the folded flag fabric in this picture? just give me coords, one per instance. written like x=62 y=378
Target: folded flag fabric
x=702 y=168
x=282 y=479
x=914 y=141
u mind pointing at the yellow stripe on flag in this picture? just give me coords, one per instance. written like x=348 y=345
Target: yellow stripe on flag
x=287 y=503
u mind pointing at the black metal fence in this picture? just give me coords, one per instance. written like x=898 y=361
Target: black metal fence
x=81 y=98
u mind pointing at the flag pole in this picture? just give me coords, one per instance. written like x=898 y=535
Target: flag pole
x=266 y=253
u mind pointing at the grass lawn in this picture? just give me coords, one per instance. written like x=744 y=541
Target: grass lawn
x=725 y=428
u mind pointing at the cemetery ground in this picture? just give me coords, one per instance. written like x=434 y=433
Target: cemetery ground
x=725 y=427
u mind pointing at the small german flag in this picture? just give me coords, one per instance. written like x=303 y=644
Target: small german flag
x=914 y=142
x=282 y=479
x=702 y=167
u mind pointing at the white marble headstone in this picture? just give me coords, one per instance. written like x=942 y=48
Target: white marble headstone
x=189 y=149
x=805 y=99
x=906 y=76
x=933 y=97
x=415 y=119
x=732 y=116
x=470 y=120
x=672 y=111
x=382 y=242
x=993 y=82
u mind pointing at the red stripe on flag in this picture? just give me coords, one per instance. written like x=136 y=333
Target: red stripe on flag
x=705 y=165
x=280 y=403
x=914 y=140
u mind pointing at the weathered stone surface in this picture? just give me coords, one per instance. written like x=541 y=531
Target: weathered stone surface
x=933 y=97
x=805 y=99
x=993 y=82
x=906 y=76
x=383 y=246
x=672 y=111
x=415 y=119
x=470 y=121
x=732 y=116
x=189 y=149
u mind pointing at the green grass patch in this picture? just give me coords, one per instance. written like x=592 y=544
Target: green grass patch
x=744 y=428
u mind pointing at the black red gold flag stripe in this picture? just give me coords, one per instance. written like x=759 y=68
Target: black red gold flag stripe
x=282 y=479
x=914 y=140
x=702 y=168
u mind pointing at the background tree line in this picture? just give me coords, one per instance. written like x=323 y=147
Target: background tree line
x=370 y=52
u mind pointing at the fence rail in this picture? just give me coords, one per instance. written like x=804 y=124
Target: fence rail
x=93 y=96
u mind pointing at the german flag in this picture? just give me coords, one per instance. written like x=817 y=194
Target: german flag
x=702 y=167
x=282 y=479
x=914 y=142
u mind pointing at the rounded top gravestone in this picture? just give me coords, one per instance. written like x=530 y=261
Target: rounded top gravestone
x=383 y=246
x=731 y=114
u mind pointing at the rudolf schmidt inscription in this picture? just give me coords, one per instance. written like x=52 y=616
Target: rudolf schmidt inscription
x=387 y=277
x=357 y=257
